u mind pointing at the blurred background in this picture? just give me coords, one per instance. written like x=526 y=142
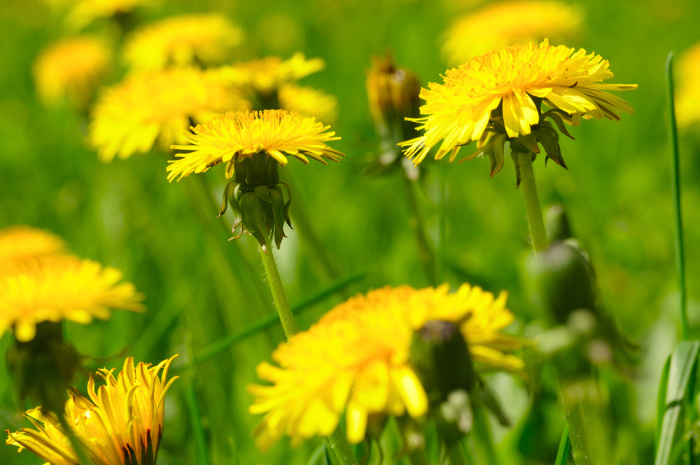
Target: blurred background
x=125 y=213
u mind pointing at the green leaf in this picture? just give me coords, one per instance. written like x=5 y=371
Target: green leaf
x=554 y=116
x=678 y=387
x=224 y=205
x=317 y=455
x=564 y=451
x=497 y=157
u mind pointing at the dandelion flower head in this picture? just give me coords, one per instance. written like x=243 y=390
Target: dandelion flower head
x=510 y=84
x=270 y=73
x=357 y=359
x=20 y=243
x=60 y=287
x=185 y=40
x=278 y=133
x=504 y=23
x=120 y=423
x=688 y=93
x=307 y=101
x=71 y=68
x=155 y=107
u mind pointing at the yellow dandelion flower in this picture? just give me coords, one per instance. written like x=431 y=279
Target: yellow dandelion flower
x=505 y=23
x=688 y=93
x=20 y=243
x=186 y=40
x=506 y=88
x=155 y=108
x=60 y=287
x=357 y=359
x=270 y=73
x=84 y=12
x=234 y=136
x=307 y=101
x=121 y=423
x=71 y=68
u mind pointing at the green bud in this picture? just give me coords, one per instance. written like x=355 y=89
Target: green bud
x=252 y=214
x=454 y=418
x=561 y=280
x=557 y=223
x=440 y=356
x=277 y=206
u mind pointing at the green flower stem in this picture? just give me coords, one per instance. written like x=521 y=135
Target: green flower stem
x=442 y=225
x=425 y=252
x=277 y=289
x=532 y=202
x=74 y=441
x=586 y=418
x=341 y=447
x=676 y=185
x=483 y=442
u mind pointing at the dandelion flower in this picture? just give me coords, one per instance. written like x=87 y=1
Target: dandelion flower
x=20 y=243
x=501 y=92
x=185 y=40
x=688 y=94
x=357 y=359
x=156 y=107
x=60 y=287
x=505 y=23
x=71 y=68
x=84 y=12
x=121 y=423
x=268 y=84
x=237 y=135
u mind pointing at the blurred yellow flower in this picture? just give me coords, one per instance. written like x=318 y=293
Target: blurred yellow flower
x=84 y=12
x=505 y=23
x=71 y=68
x=507 y=87
x=268 y=84
x=60 y=287
x=19 y=243
x=193 y=39
x=155 y=107
x=688 y=93
x=356 y=359
x=234 y=136
x=119 y=424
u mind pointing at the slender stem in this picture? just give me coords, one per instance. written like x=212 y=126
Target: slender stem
x=442 y=225
x=483 y=442
x=200 y=438
x=564 y=447
x=532 y=202
x=277 y=288
x=74 y=441
x=341 y=447
x=425 y=252
x=676 y=184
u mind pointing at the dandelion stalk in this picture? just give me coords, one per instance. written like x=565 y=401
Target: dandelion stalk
x=425 y=253
x=532 y=200
x=442 y=225
x=482 y=438
x=676 y=185
x=74 y=441
x=277 y=288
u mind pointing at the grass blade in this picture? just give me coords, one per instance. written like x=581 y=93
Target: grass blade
x=564 y=448
x=679 y=386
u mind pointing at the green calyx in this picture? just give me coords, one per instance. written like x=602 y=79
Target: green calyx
x=256 y=199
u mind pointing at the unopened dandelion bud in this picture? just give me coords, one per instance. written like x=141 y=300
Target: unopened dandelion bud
x=441 y=359
x=561 y=280
x=454 y=418
x=557 y=223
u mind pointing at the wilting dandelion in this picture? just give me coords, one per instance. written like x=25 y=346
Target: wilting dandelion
x=688 y=93
x=155 y=108
x=59 y=287
x=120 y=423
x=356 y=360
x=186 y=40
x=505 y=23
x=72 y=69
x=269 y=84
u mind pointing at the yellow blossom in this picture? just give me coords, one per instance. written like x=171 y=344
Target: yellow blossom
x=234 y=136
x=20 y=243
x=512 y=22
x=60 y=287
x=155 y=107
x=307 y=101
x=184 y=40
x=688 y=93
x=84 y=12
x=121 y=423
x=71 y=68
x=502 y=92
x=357 y=359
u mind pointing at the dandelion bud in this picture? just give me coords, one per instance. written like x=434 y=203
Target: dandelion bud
x=393 y=96
x=561 y=280
x=557 y=223
x=441 y=359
